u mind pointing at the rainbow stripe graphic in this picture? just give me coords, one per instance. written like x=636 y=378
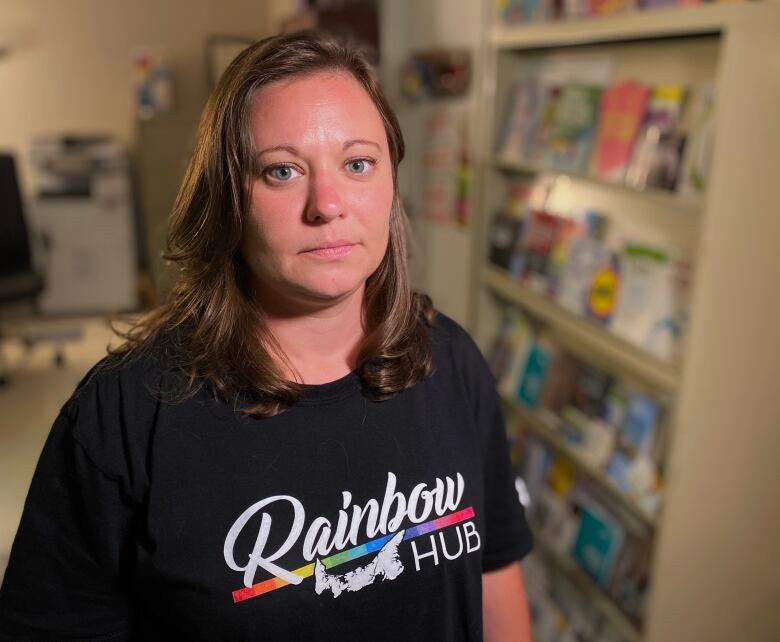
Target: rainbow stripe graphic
x=266 y=586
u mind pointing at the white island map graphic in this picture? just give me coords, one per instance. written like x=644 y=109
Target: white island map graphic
x=386 y=565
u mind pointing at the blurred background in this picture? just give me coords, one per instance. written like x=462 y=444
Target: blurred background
x=591 y=187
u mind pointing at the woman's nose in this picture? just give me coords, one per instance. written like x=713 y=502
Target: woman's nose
x=325 y=201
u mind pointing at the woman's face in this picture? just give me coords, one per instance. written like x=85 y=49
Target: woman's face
x=321 y=196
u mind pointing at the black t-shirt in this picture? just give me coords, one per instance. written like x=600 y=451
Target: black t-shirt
x=342 y=518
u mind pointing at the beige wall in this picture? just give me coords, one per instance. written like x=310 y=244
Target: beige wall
x=67 y=67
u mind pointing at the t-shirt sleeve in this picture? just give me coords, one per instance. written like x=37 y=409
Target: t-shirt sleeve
x=69 y=571
x=507 y=535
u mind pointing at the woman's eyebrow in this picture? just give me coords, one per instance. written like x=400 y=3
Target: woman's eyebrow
x=294 y=150
x=361 y=141
x=278 y=148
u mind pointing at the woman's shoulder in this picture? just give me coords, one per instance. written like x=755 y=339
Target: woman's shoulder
x=133 y=372
x=460 y=362
x=114 y=409
x=446 y=331
x=455 y=348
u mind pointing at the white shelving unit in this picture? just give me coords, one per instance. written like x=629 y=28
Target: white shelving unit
x=716 y=558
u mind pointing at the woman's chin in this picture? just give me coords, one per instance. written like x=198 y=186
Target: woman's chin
x=336 y=293
x=320 y=295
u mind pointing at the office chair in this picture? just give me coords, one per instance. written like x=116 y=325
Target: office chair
x=20 y=282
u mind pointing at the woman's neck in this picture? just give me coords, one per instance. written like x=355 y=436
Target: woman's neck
x=320 y=345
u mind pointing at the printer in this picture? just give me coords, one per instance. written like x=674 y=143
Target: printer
x=82 y=207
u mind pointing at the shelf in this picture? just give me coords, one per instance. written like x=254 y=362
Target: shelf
x=662 y=197
x=568 y=567
x=655 y=24
x=630 y=512
x=584 y=337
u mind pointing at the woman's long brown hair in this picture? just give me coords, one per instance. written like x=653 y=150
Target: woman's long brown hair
x=214 y=327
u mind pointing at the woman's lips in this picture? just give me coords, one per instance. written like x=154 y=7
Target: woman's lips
x=332 y=251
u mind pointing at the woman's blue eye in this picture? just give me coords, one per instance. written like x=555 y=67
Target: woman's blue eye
x=357 y=166
x=281 y=173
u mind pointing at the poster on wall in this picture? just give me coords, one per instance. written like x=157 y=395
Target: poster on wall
x=446 y=168
x=152 y=82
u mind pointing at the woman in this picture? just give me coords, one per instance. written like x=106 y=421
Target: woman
x=295 y=446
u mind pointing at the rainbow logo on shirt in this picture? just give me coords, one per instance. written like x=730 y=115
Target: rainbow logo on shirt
x=373 y=546
x=428 y=506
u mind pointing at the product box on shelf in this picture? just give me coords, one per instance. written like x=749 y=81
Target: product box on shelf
x=701 y=142
x=515 y=134
x=621 y=115
x=574 y=128
x=598 y=542
x=652 y=310
x=658 y=150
